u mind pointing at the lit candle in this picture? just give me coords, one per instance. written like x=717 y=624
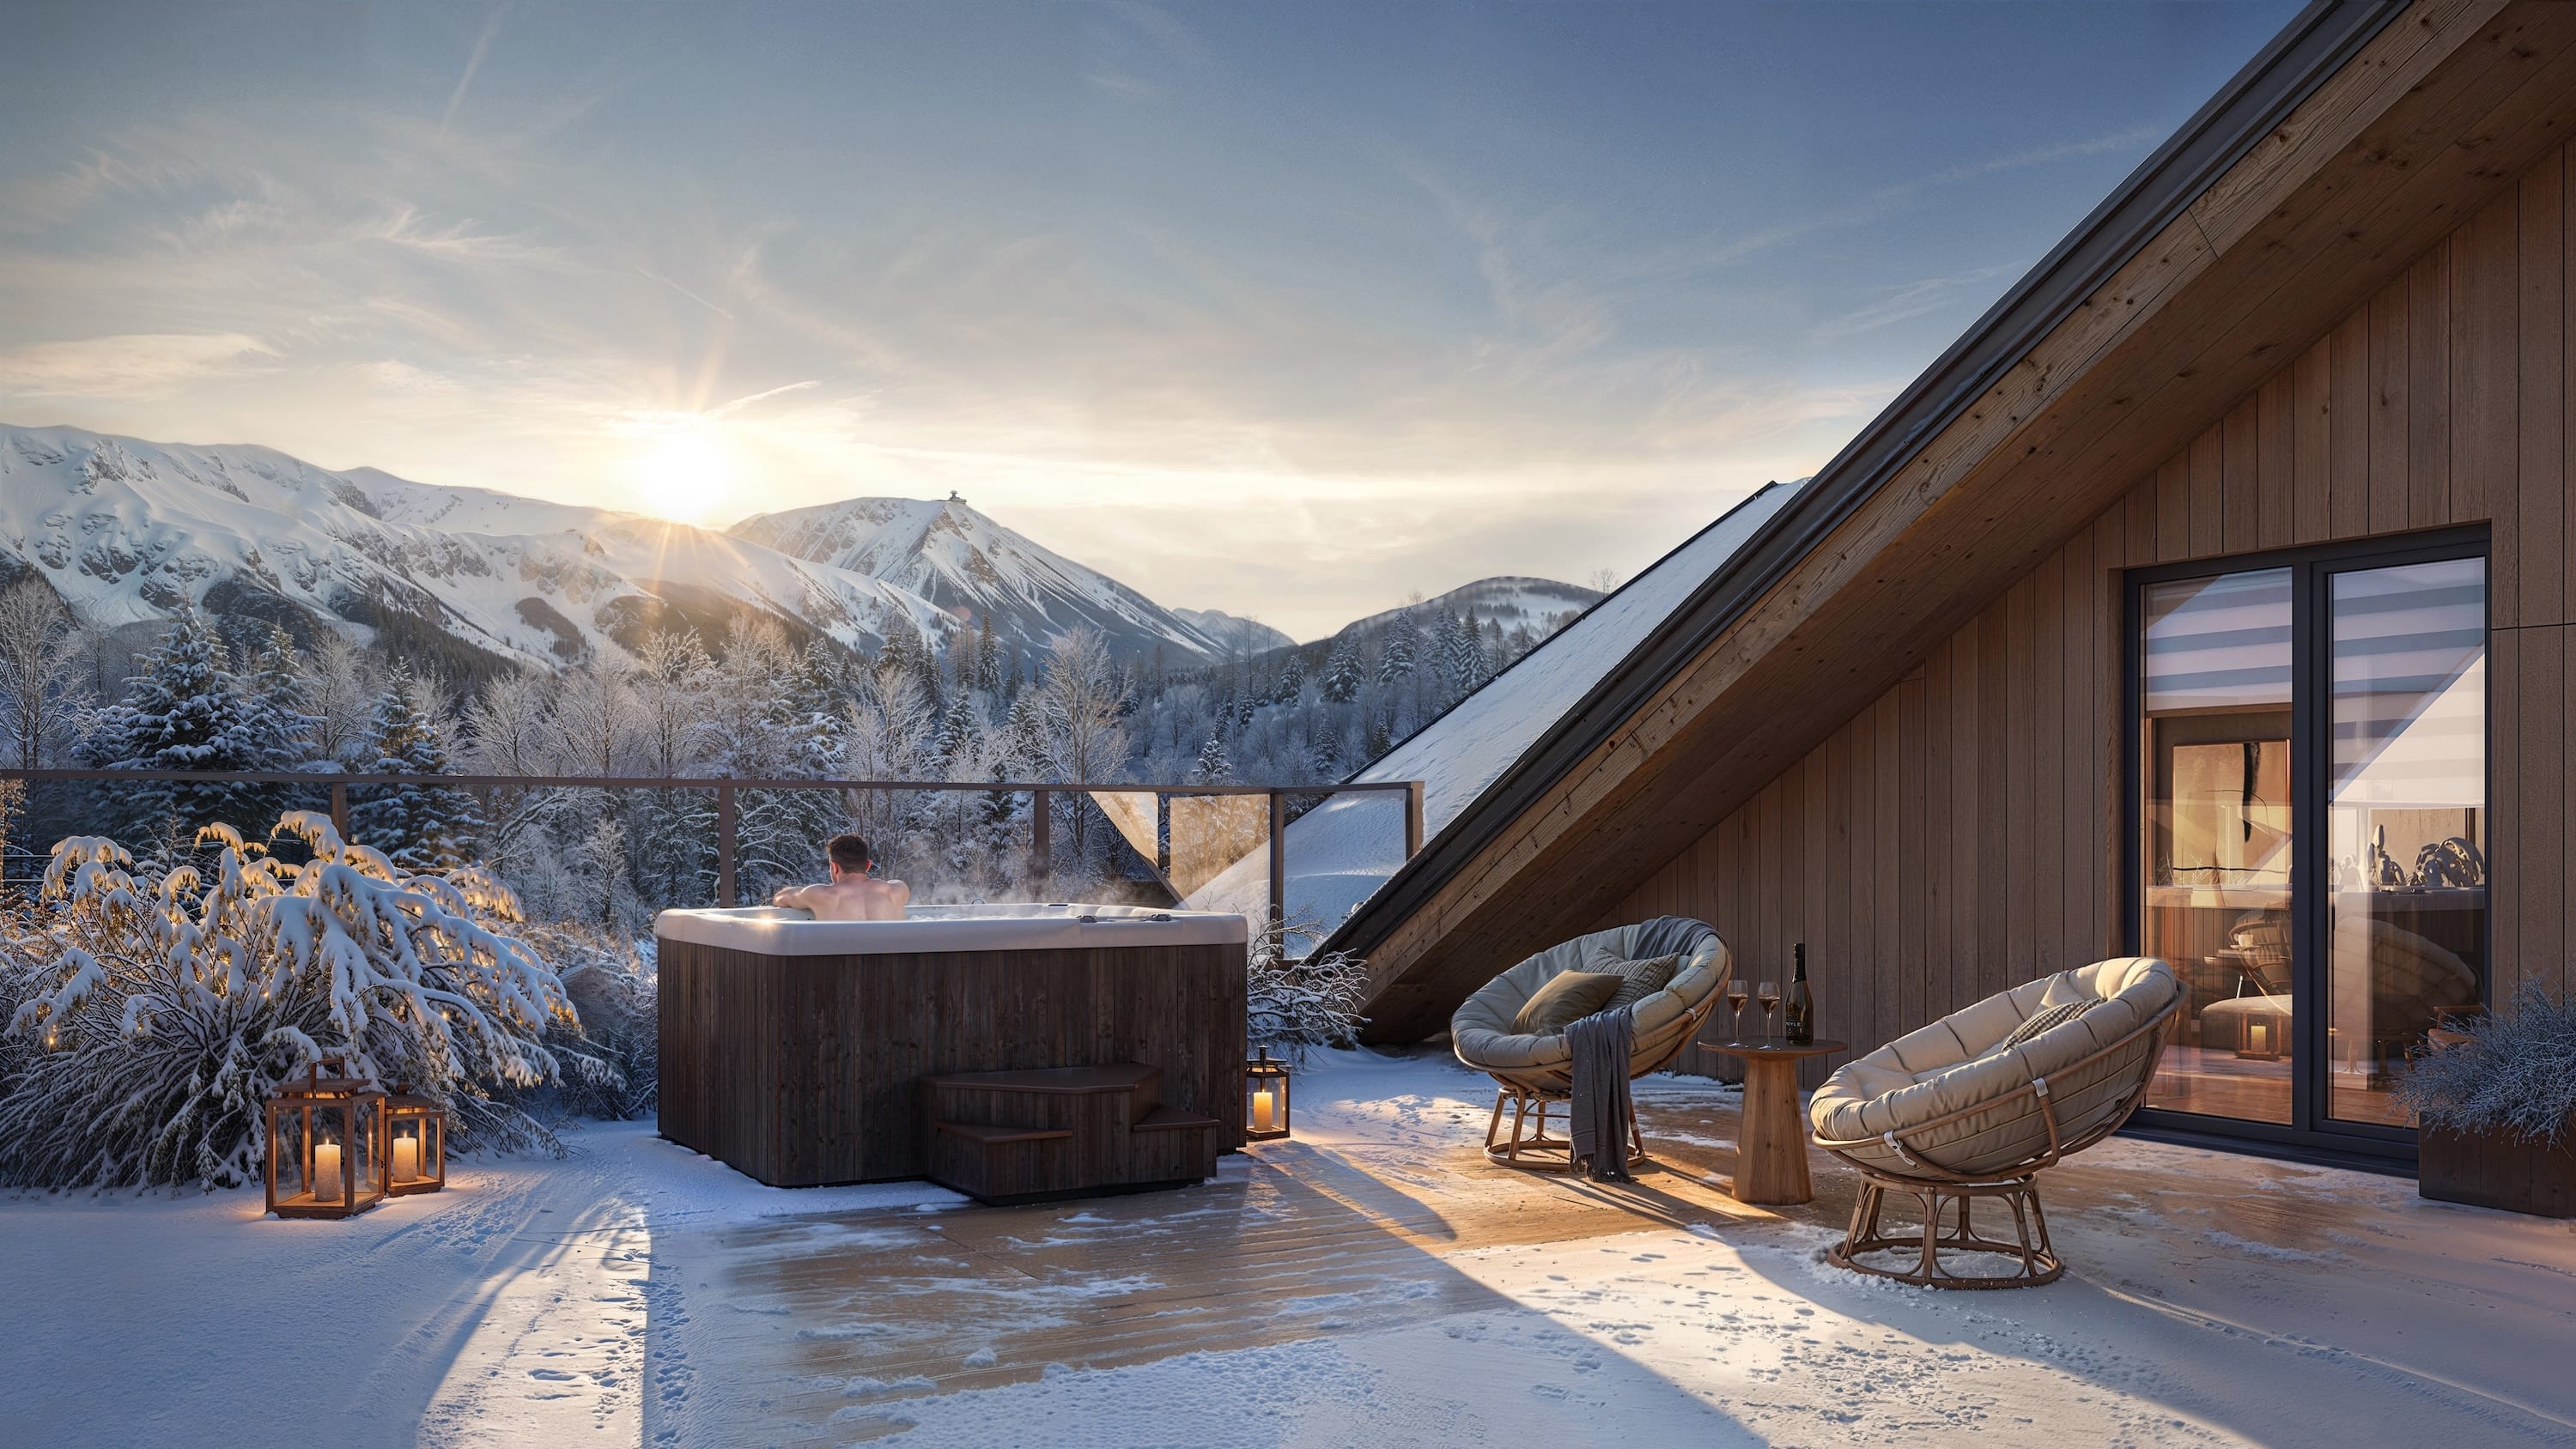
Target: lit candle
x=326 y=1172
x=1263 y=1104
x=406 y=1158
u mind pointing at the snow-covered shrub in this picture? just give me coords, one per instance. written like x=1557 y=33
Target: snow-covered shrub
x=1293 y=1004
x=612 y=979
x=154 y=1010
x=2516 y=1072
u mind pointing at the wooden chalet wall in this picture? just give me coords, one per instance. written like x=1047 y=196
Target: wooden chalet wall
x=1962 y=833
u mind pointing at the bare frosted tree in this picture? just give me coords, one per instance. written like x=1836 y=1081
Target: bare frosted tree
x=42 y=655
x=1079 y=699
x=596 y=722
x=675 y=688
x=508 y=729
x=340 y=693
x=1079 y=695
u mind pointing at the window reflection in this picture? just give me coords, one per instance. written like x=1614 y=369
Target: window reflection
x=2217 y=843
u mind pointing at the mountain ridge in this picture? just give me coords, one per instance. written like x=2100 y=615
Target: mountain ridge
x=128 y=531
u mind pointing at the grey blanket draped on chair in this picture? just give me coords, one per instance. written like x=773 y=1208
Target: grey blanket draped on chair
x=1602 y=1109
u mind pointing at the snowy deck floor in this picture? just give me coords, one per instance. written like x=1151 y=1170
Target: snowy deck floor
x=1372 y=1282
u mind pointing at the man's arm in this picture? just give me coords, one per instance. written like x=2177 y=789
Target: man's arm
x=792 y=897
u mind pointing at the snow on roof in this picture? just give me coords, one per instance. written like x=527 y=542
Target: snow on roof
x=1340 y=852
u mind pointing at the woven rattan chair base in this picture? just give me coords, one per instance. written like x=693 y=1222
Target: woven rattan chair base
x=1529 y=1147
x=2039 y=1261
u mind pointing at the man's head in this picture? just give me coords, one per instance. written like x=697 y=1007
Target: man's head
x=849 y=855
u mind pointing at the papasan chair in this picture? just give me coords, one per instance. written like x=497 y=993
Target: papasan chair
x=1974 y=1105
x=1535 y=1069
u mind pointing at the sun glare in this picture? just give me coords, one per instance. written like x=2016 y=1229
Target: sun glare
x=685 y=476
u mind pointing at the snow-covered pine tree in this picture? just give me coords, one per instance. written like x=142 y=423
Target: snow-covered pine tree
x=959 y=723
x=988 y=658
x=1324 y=756
x=1292 y=678
x=1215 y=766
x=185 y=711
x=417 y=827
x=1461 y=663
x=1341 y=680
x=1397 y=652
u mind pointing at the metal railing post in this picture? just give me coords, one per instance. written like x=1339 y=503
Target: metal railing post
x=1412 y=819
x=1042 y=841
x=1278 y=869
x=724 y=845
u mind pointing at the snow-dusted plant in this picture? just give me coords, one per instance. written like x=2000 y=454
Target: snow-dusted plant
x=1295 y=1003
x=155 y=1010
x=612 y=978
x=2515 y=1073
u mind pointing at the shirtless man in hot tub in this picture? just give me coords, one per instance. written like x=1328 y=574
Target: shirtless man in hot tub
x=851 y=896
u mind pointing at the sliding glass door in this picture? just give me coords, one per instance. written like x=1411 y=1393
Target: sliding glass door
x=2310 y=851
x=2406 y=820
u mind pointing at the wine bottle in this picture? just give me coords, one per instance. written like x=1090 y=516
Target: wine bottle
x=1801 y=1003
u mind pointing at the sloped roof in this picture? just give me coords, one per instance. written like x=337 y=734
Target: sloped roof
x=2135 y=315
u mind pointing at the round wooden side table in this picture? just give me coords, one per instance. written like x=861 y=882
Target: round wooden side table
x=1771 y=1145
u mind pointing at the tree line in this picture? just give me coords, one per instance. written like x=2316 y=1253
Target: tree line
x=214 y=695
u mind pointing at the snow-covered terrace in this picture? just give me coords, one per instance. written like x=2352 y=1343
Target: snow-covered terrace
x=1372 y=1281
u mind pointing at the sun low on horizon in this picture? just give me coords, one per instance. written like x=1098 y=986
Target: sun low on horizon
x=683 y=472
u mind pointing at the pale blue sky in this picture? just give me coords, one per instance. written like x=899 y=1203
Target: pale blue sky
x=1280 y=309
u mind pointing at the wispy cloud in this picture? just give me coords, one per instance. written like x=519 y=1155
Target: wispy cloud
x=129 y=367
x=473 y=63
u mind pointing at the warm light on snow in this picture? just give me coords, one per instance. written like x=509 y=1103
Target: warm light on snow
x=687 y=476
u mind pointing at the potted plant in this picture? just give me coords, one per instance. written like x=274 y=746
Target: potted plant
x=2496 y=1099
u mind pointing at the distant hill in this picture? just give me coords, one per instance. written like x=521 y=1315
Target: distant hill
x=1507 y=599
x=1250 y=635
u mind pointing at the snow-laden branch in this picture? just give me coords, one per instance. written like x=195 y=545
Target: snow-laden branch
x=155 y=1011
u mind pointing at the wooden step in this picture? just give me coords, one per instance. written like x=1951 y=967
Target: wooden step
x=988 y=1135
x=1029 y=1135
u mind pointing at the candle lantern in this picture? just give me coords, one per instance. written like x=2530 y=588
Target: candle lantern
x=2262 y=1038
x=415 y=1143
x=1265 y=1098
x=325 y=1145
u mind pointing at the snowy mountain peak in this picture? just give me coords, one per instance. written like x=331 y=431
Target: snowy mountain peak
x=976 y=570
x=129 y=532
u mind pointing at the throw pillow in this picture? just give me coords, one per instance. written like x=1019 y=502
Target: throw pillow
x=1637 y=979
x=2046 y=1017
x=1568 y=997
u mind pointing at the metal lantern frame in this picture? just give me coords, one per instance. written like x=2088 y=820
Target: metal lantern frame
x=1263 y=1076
x=340 y=1112
x=408 y=1115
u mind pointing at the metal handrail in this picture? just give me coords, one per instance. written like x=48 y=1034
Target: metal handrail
x=727 y=786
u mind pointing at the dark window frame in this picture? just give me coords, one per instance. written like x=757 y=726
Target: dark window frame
x=2312 y=569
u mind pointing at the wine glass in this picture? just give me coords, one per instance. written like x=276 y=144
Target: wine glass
x=1768 y=994
x=1736 y=992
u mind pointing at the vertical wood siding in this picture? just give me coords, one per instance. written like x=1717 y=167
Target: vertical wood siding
x=1963 y=832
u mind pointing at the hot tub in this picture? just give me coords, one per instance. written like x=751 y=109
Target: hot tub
x=793 y=1048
